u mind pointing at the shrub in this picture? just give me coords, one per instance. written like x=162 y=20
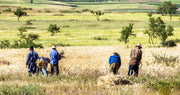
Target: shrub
x=170 y=43
x=7 y=10
x=85 y=10
x=58 y=14
x=69 y=11
x=99 y=38
x=163 y=58
x=31 y=90
x=65 y=26
x=28 y=22
x=39 y=11
x=10 y=90
x=47 y=11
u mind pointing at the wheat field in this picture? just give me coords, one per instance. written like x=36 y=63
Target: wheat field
x=86 y=60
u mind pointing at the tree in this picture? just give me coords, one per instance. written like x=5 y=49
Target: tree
x=97 y=14
x=167 y=8
x=31 y=1
x=126 y=32
x=53 y=28
x=157 y=28
x=19 y=13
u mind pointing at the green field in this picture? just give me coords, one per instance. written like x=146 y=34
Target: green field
x=82 y=26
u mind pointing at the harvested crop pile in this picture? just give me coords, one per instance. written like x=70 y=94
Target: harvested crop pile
x=112 y=80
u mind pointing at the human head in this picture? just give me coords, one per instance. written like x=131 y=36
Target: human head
x=115 y=53
x=53 y=46
x=138 y=46
x=31 y=48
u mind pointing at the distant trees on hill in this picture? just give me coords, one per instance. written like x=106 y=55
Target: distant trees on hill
x=87 y=0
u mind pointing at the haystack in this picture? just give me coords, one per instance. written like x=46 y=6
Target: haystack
x=112 y=80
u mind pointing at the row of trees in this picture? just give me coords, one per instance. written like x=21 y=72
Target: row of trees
x=156 y=28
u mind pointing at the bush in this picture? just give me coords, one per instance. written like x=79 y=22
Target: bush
x=69 y=11
x=7 y=10
x=39 y=11
x=28 y=22
x=26 y=8
x=99 y=38
x=10 y=90
x=85 y=10
x=163 y=58
x=47 y=11
x=170 y=43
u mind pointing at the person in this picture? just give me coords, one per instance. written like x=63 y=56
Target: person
x=54 y=58
x=42 y=64
x=31 y=60
x=115 y=63
x=136 y=55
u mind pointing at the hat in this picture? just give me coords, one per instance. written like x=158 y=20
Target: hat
x=53 y=46
x=31 y=48
x=138 y=45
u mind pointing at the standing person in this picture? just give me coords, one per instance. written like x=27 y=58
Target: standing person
x=136 y=55
x=54 y=58
x=42 y=64
x=115 y=63
x=31 y=60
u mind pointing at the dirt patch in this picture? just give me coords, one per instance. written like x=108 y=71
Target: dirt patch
x=144 y=0
x=146 y=7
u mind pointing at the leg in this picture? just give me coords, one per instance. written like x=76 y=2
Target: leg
x=56 y=69
x=37 y=71
x=29 y=74
x=112 y=66
x=116 y=68
x=44 y=72
x=52 y=69
x=130 y=72
x=136 y=70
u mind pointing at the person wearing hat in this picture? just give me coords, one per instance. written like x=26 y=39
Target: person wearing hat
x=136 y=55
x=54 y=58
x=115 y=63
x=31 y=60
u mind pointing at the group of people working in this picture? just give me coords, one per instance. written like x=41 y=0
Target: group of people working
x=135 y=59
x=36 y=63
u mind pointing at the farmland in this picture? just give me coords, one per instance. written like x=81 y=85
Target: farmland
x=88 y=44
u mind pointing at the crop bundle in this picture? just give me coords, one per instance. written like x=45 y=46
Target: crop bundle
x=112 y=80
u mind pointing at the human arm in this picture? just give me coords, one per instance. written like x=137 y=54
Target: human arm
x=27 y=60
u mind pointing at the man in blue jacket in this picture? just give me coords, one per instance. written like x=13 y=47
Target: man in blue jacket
x=54 y=58
x=115 y=62
x=31 y=60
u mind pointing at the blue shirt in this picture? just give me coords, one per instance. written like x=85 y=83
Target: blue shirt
x=54 y=57
x=115 y=58
x=31 y=57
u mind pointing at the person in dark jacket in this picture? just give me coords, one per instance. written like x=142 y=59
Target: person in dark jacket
x=136 y=56
x=31 y=61
x=115 y=63
x=54 y=58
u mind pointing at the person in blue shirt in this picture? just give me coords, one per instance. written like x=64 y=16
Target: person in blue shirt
x=31 y=61
x=42 y=64
x=54 y=58
x=115 y=63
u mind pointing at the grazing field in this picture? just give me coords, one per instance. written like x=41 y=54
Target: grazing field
x=88 y=44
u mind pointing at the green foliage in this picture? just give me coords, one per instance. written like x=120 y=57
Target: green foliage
x=170 y=43
x=162 y=86
x=28 y=22
x=157 y=28
x=99 y=38
x=7 y=10
x=150 y=14
x=97 y=14
x=167 y=8
x=163 y=58
x=126 y=32
x=19 y=13
x=53 y=28
x=24 y=90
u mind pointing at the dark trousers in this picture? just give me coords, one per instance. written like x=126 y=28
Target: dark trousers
x=114 y=68
x=134 y=68
x=54 y=69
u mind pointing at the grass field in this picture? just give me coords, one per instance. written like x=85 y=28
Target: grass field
x=88 y=45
